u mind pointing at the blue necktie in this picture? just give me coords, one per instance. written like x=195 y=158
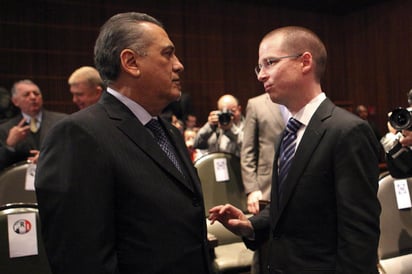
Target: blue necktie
x=287 y=151
x=163 y=141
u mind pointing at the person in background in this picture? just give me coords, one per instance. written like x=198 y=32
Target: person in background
x=397 y=145
x=324 y=212
x=190 y=135
x=363 y=112
x=223 y=130
x=116 y=189
x=264 y=124
x=7 y=108
x=190 y=122
x=86 y=86
x=22 y=135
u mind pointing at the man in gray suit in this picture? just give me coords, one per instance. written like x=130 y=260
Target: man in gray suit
x=324 y=213
x=264 y=124
x=22 y=135
x=116 y=188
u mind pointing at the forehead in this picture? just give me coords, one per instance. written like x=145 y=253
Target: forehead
x=156 y=35
x=270 y=47
x=24 y=87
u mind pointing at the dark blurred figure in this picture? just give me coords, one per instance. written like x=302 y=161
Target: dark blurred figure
x=363 y=112
x=7 y=109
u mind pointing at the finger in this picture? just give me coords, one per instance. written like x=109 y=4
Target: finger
x=21 y=123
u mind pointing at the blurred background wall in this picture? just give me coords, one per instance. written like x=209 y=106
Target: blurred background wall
x=369 y=45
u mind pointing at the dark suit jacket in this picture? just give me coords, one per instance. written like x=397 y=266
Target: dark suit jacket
x=328 y=219
x=22 y=149
x=110 y=200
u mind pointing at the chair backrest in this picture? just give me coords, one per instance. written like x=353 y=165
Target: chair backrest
x=21 y=264
x=395 y=224
x=216 y=189
x=12 y=185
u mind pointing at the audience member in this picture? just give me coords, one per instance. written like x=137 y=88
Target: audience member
x=190 y=122
x=264 y=124
x=7 y=109
x=86 y=86
x=116 y=189
x=224 y=128
x=190 y=136
x=397 y=146
x=22 y=135
x=363 y=112
x=324 y=212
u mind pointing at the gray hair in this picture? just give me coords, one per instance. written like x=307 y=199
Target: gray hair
x=25 y=81
x=121 y=31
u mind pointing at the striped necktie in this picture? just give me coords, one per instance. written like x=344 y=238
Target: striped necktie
x=287 y=151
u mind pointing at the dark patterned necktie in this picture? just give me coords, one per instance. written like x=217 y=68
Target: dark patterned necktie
x=163 y=141
x=287 y=151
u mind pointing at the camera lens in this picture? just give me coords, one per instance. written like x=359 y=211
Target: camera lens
x=225 y=117
x=400 y=119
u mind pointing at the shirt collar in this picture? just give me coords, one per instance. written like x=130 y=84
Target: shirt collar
x=140 y=113
x=305 y=114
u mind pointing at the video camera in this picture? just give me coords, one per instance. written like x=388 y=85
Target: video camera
x=401 y=118
x=225 y=117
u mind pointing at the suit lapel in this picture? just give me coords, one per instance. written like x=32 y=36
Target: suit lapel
x=134 y=130
x=310 y=140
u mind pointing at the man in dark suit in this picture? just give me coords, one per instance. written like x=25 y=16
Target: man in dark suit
x=110 y=199
x=22 y=135
x=324 y=217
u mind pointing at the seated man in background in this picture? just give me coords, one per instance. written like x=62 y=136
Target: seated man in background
x=22 y=135
x=86 y=86
x=223 y=131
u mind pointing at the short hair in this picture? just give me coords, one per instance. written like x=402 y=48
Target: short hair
x=25 y=81
x=297 y=40
x=86 y=74
x=121 y=31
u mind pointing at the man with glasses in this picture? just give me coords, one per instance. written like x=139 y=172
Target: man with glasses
x=324 y=212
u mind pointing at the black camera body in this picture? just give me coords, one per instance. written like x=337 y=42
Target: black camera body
x=225 y=117
x=401 y=118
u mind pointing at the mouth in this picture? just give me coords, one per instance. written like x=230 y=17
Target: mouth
x=177 y=82
x=267 y=87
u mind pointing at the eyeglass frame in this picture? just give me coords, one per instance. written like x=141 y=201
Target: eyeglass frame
x=273 y=60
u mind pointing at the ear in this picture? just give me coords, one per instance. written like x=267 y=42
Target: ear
x=307 y=62
x=15 y=101
x=130 y=62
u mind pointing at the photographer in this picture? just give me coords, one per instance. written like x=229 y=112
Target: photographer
x=398 y=141
x=224 y=128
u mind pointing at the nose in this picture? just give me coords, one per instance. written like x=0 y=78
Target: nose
x=262 y=76
x=177 y=65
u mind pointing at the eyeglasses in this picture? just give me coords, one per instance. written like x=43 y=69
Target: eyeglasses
x=268 y=62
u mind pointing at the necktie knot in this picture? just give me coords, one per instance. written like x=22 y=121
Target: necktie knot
x=155 y=127
x=293 y=125
x=160 y=136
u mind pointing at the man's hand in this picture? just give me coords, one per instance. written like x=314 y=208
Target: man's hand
x=232 y=218
x=18 y=133
x=253 y=201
